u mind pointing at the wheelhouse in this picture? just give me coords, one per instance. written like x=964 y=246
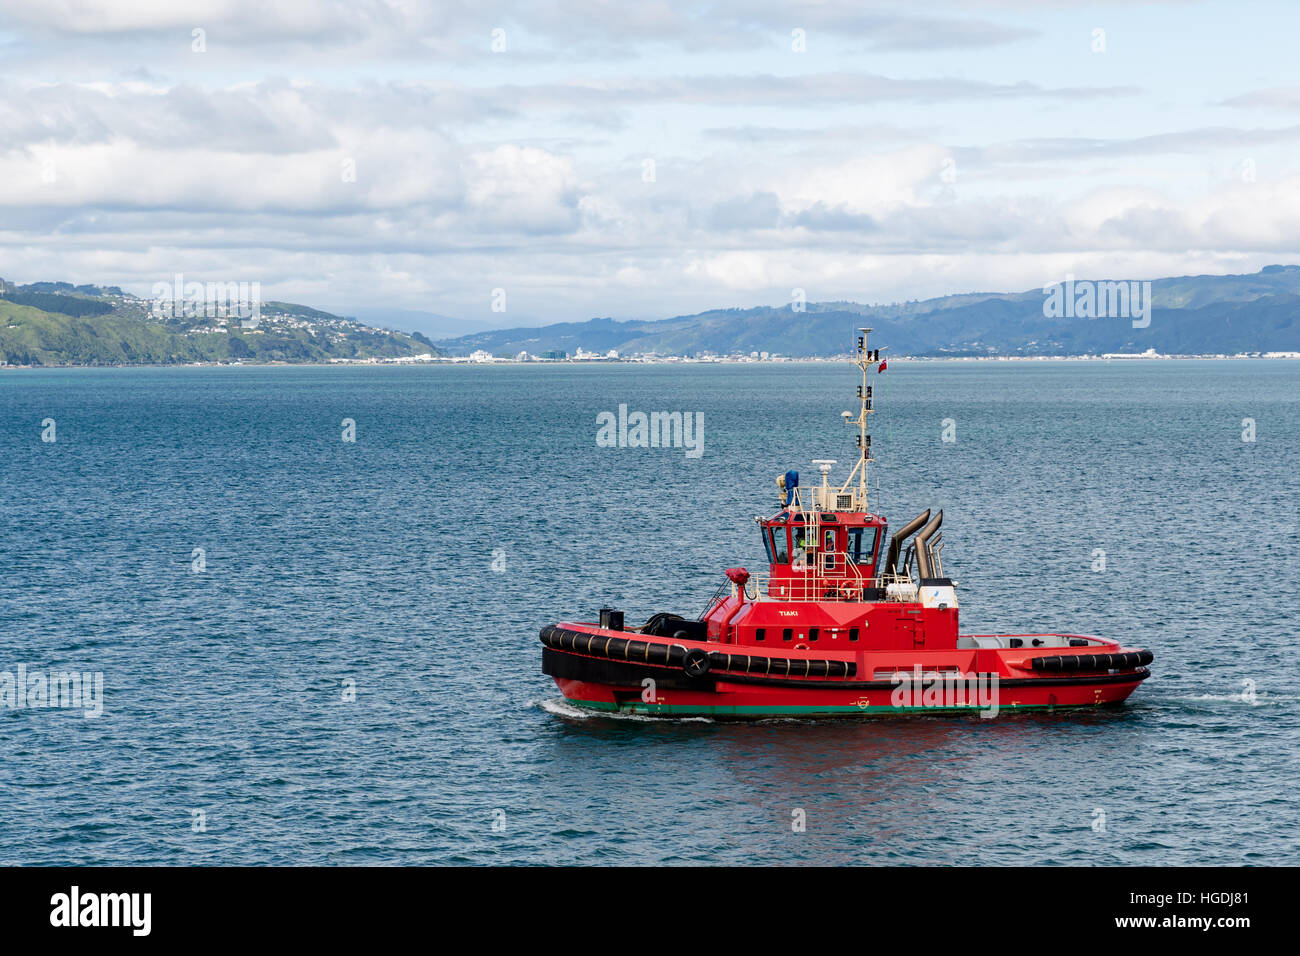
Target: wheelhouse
x=823 y=555
x=843 y=544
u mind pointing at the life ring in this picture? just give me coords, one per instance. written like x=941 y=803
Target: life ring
x=801 y=647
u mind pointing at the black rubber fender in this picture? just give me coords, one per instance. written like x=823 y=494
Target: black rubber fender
x=1092 y=662
x=673 y=655
x=695 y=662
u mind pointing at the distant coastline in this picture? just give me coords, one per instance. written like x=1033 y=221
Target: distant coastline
x=674 y=361
x=57 y=324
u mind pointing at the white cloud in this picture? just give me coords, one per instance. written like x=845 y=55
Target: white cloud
x=996 y=163
x=522 y=190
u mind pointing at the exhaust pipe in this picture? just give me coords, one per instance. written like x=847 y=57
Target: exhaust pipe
x=903 y=533
x=923 y=547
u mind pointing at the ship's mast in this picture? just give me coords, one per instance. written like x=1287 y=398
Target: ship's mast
x=865 y=359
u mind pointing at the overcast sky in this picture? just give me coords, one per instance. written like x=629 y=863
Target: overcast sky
x=643 y=159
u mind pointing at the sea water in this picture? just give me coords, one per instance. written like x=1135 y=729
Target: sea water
x=313 y=597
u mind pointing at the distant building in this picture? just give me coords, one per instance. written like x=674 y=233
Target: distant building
x=1149 y=353
x=479 y=355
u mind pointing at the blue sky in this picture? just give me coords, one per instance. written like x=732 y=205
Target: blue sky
x=907 y=151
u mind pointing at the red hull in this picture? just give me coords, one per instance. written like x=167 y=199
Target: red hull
x=737 y=701
x=625 y=672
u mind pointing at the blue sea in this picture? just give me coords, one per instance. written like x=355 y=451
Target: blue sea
x=322 y=651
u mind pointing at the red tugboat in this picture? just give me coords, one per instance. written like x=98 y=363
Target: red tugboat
x=843 y=624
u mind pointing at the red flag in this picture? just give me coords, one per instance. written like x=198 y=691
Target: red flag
x=884 y=364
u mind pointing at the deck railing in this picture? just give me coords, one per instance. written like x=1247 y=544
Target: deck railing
x=819 y=587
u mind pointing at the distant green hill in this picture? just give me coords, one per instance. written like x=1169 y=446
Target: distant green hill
x=75 y=305
x=1190 y=315
x=59 y=324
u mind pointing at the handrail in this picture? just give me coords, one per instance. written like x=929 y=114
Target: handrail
x=816 y=587
x=713 y=601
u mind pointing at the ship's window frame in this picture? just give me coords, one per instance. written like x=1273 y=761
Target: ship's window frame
x=787 y=634
x=760 y=633
x=853 y=547
x=801 y=529
x=829 y=549
x=780 y=545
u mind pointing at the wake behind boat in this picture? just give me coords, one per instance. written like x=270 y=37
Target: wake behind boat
x=841 y=624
